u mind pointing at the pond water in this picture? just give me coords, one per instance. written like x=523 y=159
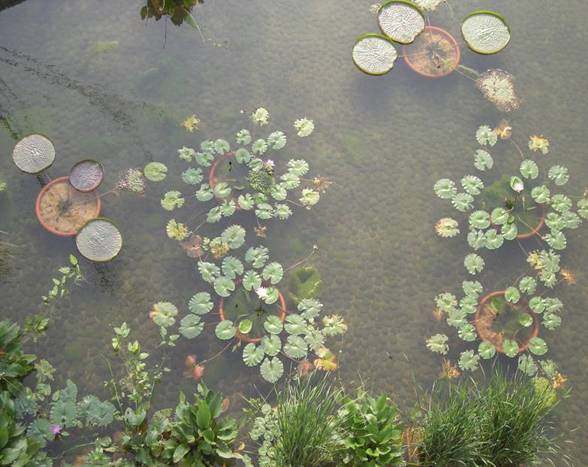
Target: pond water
x=103 y=84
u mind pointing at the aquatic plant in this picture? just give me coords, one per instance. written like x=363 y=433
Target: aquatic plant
x=485 y=32
x=60 y=284
x=498 y=87
x=178 y=11
x=86 y=175
x=33 y=154
x=99 y=240
x=401 y=21
x=374 y=54
x=14 y=364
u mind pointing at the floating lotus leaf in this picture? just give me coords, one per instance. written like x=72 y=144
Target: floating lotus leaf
x=251 y=281
x=553 y=304
x=277 y=140
x=259 y=147
x=204 y=193
x=264 y=211
x=561 y=203
x=551 y=321
x=172 y=200
x=428 y=5
x=222 y=190
x=223 y=286
x=290 y=180
x=529 y=169
x=528 y=285
x=242 y=156
x=438 y=344
x=472 y=288
x=468 y=360
x=446 y=301
x=246 y=202
x=225 y=330
x=309 y=308
x=583 y=208
x=252 y=354
x=207 y=146
x=512 y=295
x=485 y=32
x=200 y=303
x=527 y=365
x=472 y=185
x=467 y=332
x=456 y=318
x=278 y=192
x=222 y=146
x=271 y=344
x=295 y=347
x=374 y=54
x=537 y=304
x=486 y=136
x=510 y=348
x=492 y=239
x=540 y=194
x=486 y=350
x=155 y=171
x=571 y=220
x=257 y=256
x=556 y=240
x=273 y=272
x=191 y=326
x=469 y=304
x=315 y=339
x=537 y=346
x=186 y=154
x=208 y=271
x=204 y=158
x=295 y=324
x=86 y=175
x=99 y=240
x=245 y=326
x=243 y=137
x=234 y=236
x=163 y=314
x=479 y=220
x=476 y=239
x=401 y=21
x=499 y=216
x=232 y=267
x=272 y=369
x=272 y=295
x=462 y=202
x=554 y=221
x=473 y=263
x=273 y=324
x=559 y=175
x=509 y=231
x=333 y=325
x=483 y=160
x=192 y=176
x=33 y=154
x=525 y=320
x=282 y=211
x=445 y=188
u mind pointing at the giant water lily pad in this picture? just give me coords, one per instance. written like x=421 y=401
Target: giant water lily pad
x=99 y=240
x=63 y=210
x=33 y=154
x=374 y=54
x=86 y=175
x=485 y=32
x=401 y=21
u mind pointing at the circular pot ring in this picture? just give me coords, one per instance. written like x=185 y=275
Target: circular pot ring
x=243 y=337
x=536 y=229
x=418 y=62
x=484 y=327
x=70 y=228
x=212 y=180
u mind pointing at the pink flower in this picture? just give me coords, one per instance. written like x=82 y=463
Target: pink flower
x=56 y=429
x=269 y=163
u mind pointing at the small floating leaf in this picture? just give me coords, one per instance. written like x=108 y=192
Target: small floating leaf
x=271 y=344
x=155 y=171
x=273 y=324
x=225 y=330
x=510 y=348
x=468 y=360
x=512 y=295
x=558 y=174
x=473 y=263
x=445 y=188
x=245 y=326
x=253 y=355
x=483 y=160
x=438 y=344
x=223 y=286
x=537 y=346
x=191 y=326
x=529 y=169
x=200 y=303
x=272 y=369
x=273 y=272
x=486 y=350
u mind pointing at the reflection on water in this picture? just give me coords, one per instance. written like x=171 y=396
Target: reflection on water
x=384 y=141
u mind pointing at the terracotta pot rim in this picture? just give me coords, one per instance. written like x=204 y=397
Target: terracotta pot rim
x=212 y=180
x=536 y=229
x=524 y=345
x=449 y=37
x=40 y=196
x=243 y=337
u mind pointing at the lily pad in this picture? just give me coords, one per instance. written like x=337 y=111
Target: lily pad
x=272 y=369
x=99 y=240
x=374 y=54
x=225 y=330
x=155 y=171
x=485 y=32
x=33 y=154
x=86 y=175
x=401 y=21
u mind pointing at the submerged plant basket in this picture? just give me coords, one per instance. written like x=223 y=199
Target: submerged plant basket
x=243 y=337
x=86 y=175
x=63 y=210
x=212 y=178
x=434 y=54
x=484 y=320
x=536 y=229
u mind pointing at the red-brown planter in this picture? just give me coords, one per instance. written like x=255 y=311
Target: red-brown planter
x=243 y=337
x=83 y=207
x=484 y=325
x=432 y=45
x=212 y=180
x=536 y=229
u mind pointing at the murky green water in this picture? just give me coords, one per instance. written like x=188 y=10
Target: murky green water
x=383 y=140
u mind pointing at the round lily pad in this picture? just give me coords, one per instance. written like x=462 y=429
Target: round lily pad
x=33 y=154
x=485 y=32
x=401 y=21
x=155 y=171
x=86 y=175
x=374 y=54
x=99 y=240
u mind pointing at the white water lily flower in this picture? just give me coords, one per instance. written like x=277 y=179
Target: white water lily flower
x=260 y=116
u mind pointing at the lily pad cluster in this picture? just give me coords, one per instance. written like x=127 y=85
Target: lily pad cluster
x=508 y=208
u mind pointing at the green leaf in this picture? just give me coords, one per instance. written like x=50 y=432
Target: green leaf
x=272 y=369
x=208 y=271
x=483 y=160
x=438 y=344
x=540 y=194
x=203 y=415
x=462 y=202
x=223 y=286
x=551 y=321
x=273 y=325
x=295 y=324
x=200 y=303
x=298 y=167
x=222 y=190
x=527 y=365
x=309 y=197
x=309 y=308
x=473 y=263
x=525 y=320
x=528 y=285
x=295 y=347
x=257 y=256
x=252 y=355
x=479 y=220
x=512 y=295
x=472 y=185
x=246 y=202
x=559 y=175
x=172 y=200
x=251 y=281
x=529 y=169
x=271 y=295
x=192 y=176
x=510 y=348
x=486 y=136
x=242 y=156
x=561 y=203
x=225 y=330
x=282 y=211
x=271 y=345
x=499 y=216
x=486 y=350
x=245 y=326
x=232 y=267
x=155 y=171
x=273 y=272
x=468 y=360
x=180 y=452
x=537 y=346
x=191 y=326
x=264 y=211
x=204 y=193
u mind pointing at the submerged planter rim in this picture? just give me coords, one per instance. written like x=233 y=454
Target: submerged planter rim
x=455 y=47
x=400 y=2
x=535 y=231
x=43 y=192
x=491 y=13
x=94 y=187
x=212 y=180
x=523 y=345
x=244 y=337
x=110 y=221
x=374 y=35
